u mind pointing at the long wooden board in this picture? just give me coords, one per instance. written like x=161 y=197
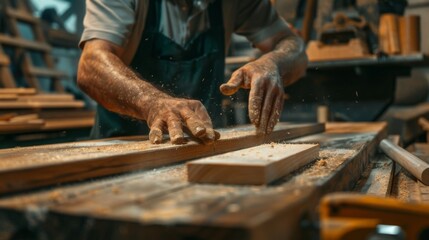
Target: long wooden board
x=19 y=91
x=160 y=204
x=253 y=166
x=58 y=104
x=26 y=168
x=47 y=98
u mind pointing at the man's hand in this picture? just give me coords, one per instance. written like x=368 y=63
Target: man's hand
x=174 y=115
x=266 y=92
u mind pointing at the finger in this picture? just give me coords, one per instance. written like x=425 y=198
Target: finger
x=203 y=115
x=233 y=85
x=175 y=130
x=155 y=134
x=269 y=101
x=217 y=135
x=193 y=123
x=275 y=112
x=255 y=102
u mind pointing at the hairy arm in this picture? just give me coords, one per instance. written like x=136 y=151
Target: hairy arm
x=105 y=78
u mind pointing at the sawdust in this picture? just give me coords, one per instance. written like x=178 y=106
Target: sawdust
x=328 y=162
x=321 y=163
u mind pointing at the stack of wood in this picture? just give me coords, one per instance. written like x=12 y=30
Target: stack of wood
x=22 y=98
x=399 y=34
x=13 y=122
x=23 y=109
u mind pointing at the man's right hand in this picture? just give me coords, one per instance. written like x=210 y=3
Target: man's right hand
x=175 y=115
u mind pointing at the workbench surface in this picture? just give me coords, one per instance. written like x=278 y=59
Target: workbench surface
x=159 y=203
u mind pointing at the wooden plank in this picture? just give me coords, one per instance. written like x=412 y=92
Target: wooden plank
x=45 y=72
x=47 y=97
x=63 y=104
x=7 y=116
x=21 y=15
x=68 y=123
x=253 y=166
x=76 y=161
x=8 y=96
x=18 y=91
x=24 y=43
x=20 y=126
x=24 y=118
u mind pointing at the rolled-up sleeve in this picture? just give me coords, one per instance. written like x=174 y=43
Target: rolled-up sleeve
x=257 y=20
x=110 y=20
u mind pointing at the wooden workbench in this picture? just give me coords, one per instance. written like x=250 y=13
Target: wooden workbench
x=160 y=204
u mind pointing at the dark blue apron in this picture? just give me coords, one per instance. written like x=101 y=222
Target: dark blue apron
x=194 y=71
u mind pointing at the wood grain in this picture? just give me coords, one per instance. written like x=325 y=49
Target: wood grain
x=253 y=166
x=413 y=164
x=26 y=168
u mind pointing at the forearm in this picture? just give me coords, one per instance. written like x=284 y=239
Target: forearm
x=105 y=78
x=290 y=58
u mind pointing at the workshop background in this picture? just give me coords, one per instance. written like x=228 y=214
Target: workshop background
x=367 y=80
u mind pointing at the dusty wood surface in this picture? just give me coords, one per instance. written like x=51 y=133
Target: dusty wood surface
x=378 y=181
x=26 y=168
x=258 y=165
x=161 y=204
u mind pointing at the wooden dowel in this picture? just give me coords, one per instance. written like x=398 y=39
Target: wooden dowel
x=413 y=164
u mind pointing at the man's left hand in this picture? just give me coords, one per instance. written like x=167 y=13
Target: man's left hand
x=266 y=97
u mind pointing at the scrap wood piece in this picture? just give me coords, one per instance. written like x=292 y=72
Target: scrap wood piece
x=19 y=91
x=32 y=167
x=254 y=166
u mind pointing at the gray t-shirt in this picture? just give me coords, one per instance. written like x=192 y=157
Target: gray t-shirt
x=122 y=21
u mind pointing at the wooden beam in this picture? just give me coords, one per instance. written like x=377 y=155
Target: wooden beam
x=18 y=91
x=32 y=167
x=47 y=97
x=253 y=166
x=24 y=43
x=8 y=97
x=46 y=72
x=20 y=105
x=24 y=118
